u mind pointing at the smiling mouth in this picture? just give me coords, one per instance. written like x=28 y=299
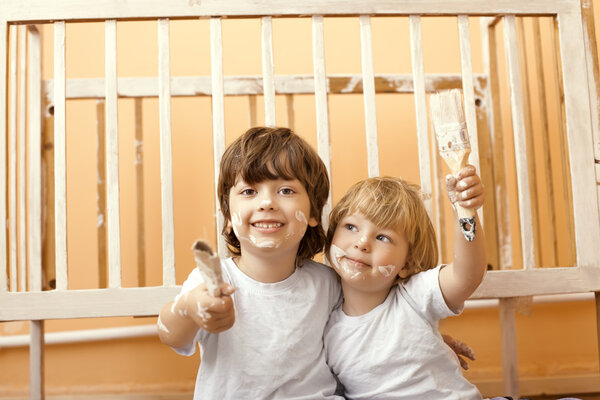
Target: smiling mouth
x=267 y=225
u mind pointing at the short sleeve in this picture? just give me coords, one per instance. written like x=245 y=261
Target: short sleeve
x=424 y=294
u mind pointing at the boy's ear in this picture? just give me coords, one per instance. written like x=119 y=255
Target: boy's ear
x=312 y=222
x=404 y=271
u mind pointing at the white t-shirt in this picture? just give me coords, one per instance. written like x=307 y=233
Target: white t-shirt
x=275 y=348
x=395 y=351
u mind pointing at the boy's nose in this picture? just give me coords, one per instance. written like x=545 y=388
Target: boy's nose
x=266 y=204
x=362 y=244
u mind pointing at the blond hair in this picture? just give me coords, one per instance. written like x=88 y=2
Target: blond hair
x=391 y=203
x=272 y=153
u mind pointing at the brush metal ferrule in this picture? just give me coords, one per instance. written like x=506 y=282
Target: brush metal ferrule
x=468 y=227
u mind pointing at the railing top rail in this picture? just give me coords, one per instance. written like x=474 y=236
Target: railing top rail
x=71 y=10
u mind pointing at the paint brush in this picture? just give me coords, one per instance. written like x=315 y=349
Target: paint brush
x=453 y=144
x=209 y=265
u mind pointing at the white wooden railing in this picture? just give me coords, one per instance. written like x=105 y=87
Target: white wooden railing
x=22 y=260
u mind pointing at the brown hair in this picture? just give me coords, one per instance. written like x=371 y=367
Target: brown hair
x=391 y=203
x=275 y=153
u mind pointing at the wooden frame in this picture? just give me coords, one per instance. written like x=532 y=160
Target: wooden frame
x=582 y=134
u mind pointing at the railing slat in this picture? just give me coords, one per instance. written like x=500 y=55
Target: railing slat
x=34 y=149
x=267 y=69
x=166 y=163
x=366 y=45
x=3 y=90
x=322 y=105
x=60 y=160
x=101 y=191
x=22 y=170
x=252 y=113
x=494 y=116
x=34 y=239
x=418 y=70
x=581 y=151
x=549 y=229
x=514 y=76
x=12 y=168
x=112 y=157
x=469 y=94
x=468 y=91
x=291 y=115
x=139 y=191
x=531 y=165
x=566 y=181
x=218 y=115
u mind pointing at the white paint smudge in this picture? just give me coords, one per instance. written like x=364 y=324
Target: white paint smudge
x=162 y=326
x=265 y=203
x=386 y=270
x=203 y=313
x=301 y=217
x=263 y=243
x=236 y=218
x=342 y=265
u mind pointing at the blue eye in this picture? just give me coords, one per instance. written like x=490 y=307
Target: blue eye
x=383 y=238
x=351 y=227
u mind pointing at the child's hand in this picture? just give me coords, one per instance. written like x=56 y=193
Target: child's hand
x=214 y=314
x=465 y=189
x=461 y=349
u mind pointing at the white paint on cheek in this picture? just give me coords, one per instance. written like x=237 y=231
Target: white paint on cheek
x=162 y=326
x=301 y=217
x=342 y=266
x=236 y=218
x=336 y=255
x=386 y=270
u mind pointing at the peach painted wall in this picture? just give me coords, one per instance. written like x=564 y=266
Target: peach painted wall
x=556 y=340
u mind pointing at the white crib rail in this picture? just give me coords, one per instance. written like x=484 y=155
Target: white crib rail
x=583 y=144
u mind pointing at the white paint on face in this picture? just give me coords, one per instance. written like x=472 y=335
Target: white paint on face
x=266 y=203
x=343 y=266
x=236 y=219
x=263 y=243
x=386 y=270
x=363 y=239
x=203 y=313
x=162 y=326
x=301 y=217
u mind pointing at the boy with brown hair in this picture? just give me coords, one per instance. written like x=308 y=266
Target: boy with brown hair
x=272 y=189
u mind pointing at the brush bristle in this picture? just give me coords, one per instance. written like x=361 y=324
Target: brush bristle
x=446 y=107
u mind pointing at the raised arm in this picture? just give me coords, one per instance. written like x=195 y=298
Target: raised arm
x=460 y=278
x=178 y=322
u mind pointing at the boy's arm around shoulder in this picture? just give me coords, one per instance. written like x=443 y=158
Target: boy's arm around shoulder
x=460 y=278
x=179 y=321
